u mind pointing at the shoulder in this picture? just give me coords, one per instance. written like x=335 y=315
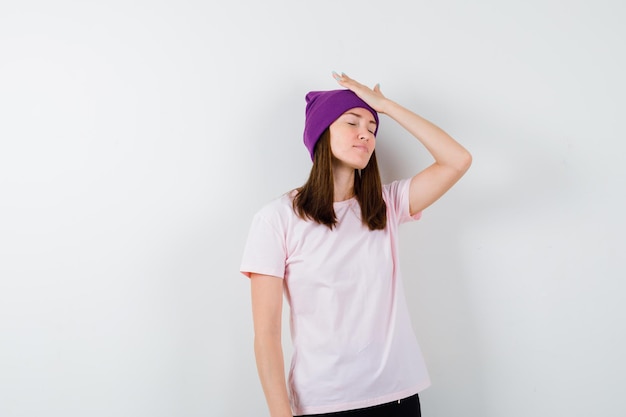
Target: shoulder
x=396 y=189
x=396 y=196
x=280 y=207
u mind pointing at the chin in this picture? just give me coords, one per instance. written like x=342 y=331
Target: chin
x=356 y=162
x=361 y=164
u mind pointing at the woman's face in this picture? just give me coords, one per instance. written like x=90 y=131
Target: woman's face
x=352 y=139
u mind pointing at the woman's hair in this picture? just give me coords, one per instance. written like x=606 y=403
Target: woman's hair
x=314 y=200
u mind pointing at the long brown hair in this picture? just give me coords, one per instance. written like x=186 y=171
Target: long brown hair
x=314 y=200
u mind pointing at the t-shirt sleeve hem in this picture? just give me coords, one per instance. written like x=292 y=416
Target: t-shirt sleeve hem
x=397 y=194
x=248 y=271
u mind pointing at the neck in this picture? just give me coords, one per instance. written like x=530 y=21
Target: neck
x=344 y=184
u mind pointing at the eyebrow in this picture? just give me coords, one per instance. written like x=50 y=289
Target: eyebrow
x=359 y=116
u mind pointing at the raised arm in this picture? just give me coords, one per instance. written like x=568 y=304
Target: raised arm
x=267 y=306
x=451 y=159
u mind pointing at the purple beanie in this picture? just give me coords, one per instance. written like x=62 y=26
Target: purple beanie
x=323 y=108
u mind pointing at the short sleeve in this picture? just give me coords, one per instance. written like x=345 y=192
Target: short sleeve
x=397 y=198
x=265 y=249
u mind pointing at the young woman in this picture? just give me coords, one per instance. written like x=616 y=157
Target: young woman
x=330 y=248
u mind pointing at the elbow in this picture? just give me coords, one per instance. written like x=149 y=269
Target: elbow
x=267 y=338
x=468 y=160
x=265 y=345
x=464 y=162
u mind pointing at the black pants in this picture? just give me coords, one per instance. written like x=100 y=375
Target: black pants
x=408 y=407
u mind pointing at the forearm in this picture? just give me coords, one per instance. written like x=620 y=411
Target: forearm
x=270 y=365
x=444 y=149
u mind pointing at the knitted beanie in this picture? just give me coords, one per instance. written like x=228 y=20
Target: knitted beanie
x=323 y=108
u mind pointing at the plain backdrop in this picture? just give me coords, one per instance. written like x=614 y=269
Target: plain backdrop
x=137 y=139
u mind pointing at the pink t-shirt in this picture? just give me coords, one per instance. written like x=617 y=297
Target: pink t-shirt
x=353 y=344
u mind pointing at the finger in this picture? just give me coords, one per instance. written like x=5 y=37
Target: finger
x=343 y=80
x=349 y=83
x=341 y=76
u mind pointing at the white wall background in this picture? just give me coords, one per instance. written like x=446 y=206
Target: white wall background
x=137 y=139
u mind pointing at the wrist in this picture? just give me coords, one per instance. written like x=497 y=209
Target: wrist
x=386 y=106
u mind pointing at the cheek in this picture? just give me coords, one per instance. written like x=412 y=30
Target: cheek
x=335 y=146
x=337 y=140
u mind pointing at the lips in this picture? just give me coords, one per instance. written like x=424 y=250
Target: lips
x=362 y=148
